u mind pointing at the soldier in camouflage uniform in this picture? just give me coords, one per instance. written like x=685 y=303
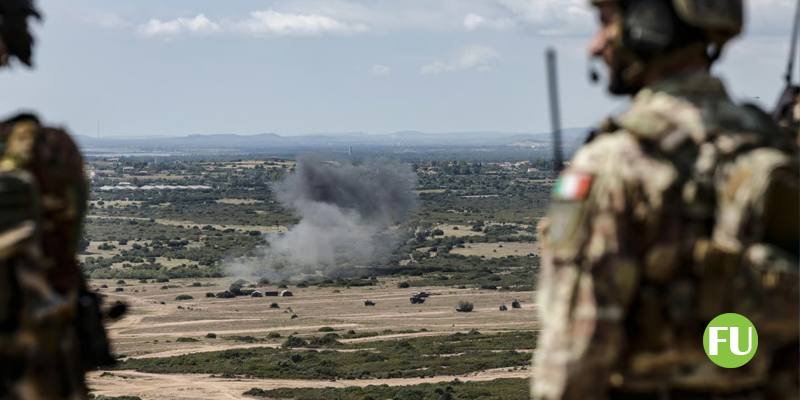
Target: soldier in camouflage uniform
x=43 y=296
x=680 y=209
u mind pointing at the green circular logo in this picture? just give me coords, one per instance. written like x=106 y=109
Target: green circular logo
x=730 y=340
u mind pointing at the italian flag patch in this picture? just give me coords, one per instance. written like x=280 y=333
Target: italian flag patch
x=573 y=186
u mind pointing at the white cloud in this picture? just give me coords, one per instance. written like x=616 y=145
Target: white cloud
x=273 y=23
x=197 y=25
x=478 y=58
x=380 y=70
x=473 y=22
x=551 y=17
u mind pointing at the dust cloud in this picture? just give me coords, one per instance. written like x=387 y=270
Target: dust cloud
x=348 y=218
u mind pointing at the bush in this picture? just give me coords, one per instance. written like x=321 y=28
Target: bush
x=186 y=340
x=326 y=329
x=516 y=304
x=273 y=335
x=183 y=297
x=294 y=341
x=465 y=306
x=404 y=285
x=211 y=336
x=274 y=305
x=330 y=339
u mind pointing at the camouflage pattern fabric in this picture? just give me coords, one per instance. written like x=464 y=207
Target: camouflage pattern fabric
x=44 y=202
x=685 y=207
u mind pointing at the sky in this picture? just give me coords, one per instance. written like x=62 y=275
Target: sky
x=179 y=67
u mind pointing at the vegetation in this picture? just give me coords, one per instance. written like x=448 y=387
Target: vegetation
x=162 y=234
x=501 y=389
x=418 y=357
x=465 y=306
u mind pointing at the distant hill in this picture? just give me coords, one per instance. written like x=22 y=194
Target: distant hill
x=271 y=142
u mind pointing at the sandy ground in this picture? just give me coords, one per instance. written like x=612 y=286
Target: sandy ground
x=237 y=202
x=151 y=329
x=202 y=386
x=496 y=250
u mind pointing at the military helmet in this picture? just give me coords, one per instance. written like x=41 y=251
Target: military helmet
x=14 y=32
x=717 y=21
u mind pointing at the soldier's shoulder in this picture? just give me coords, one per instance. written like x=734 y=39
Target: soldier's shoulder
x=669 y=116
x=619 y=152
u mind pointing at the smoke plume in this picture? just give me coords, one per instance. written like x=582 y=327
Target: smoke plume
x=348 y=217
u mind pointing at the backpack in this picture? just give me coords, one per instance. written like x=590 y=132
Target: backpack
x=738 y=191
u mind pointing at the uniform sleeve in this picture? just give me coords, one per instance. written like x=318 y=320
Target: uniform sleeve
x=589 y=274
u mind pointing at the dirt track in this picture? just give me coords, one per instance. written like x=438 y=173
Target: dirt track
x=152 y=328
x=202 y=386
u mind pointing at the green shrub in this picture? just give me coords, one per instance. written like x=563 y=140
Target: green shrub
x=294 y=341
x=465 y=306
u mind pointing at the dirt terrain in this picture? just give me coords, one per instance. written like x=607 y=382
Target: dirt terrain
x=157 y=320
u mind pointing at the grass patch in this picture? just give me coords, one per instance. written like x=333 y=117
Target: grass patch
x=413 y=358
x=500 y=389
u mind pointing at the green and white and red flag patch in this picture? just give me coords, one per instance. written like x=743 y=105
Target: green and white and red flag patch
x=573 y=186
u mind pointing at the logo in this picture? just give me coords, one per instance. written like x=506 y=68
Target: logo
x=730 y=340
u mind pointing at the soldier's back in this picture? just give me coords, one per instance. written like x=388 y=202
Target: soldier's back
x=689 y=211
x=44 y=192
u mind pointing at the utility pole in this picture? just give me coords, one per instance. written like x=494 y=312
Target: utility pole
x=555 y=110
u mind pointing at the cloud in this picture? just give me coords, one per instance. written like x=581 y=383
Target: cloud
x=197 y=25
x=478 y=58
x=262 y=23
x=380 y=70
x=550 y=17
x=473 y=22
x=273 y=23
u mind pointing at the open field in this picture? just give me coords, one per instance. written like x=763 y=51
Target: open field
x=170 y=230
x=161 y=326
x=496 y=250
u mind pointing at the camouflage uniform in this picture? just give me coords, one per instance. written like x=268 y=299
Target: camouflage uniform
x=682 y=208
x=44 y=193
x=43 y=297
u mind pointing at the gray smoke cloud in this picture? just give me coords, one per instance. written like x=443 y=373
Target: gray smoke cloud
x=348 y=218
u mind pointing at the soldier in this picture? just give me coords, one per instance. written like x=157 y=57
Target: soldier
x=680 y=209
x=50 y=325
